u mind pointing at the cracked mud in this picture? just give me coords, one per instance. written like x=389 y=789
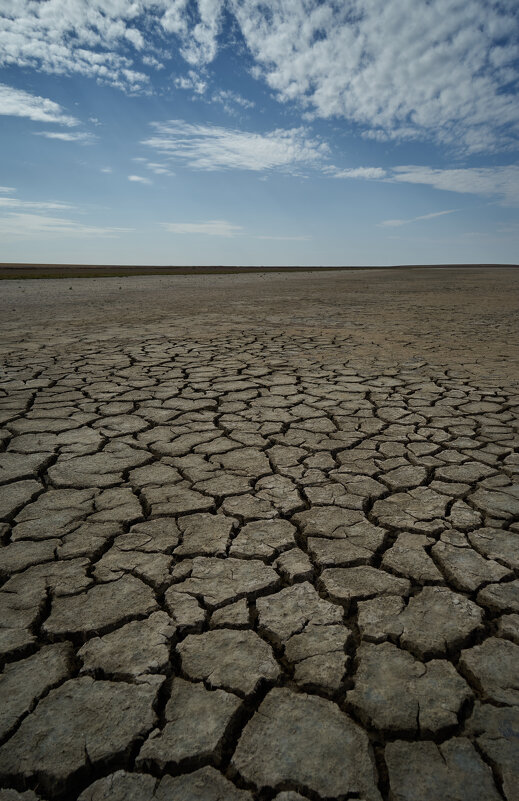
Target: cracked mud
x=260 y=538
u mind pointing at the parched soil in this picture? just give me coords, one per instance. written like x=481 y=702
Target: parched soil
x=260 y=537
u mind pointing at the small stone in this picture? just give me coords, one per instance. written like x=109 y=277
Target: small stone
x=233 y=660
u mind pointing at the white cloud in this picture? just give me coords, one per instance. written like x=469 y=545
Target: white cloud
x=139 y=179
x=400 y=69
x=6 y=189
x=398 y=223
x=191 y=82
x=107 y=170
x=16 y=203
x=231 y=101
x=107 y=39
x=77 y=36
x=157 y=167
x=498 y=182
x=18 y=103
x=24 y=219
x=285 y=238
x=62 y=136
x=367 y=173
x=151 y=61
x=209 y=228
x=209 y=147
x=501 y=183
x=197 y=24
x=23 y=226
x=226 y=229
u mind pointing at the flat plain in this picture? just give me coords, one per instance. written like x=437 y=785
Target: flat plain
x=260 y=537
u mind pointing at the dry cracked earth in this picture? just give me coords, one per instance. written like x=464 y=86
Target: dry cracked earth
x=259 y=540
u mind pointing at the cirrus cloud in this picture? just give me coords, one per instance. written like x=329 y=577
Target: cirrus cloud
x=211 y=147
x=19 y=103
x=139 y=179
x=501 y=183
x=209 y=228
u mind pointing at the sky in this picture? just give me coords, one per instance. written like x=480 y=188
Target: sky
x=280 y=132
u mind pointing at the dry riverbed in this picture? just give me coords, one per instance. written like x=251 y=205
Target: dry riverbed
x=260 y=537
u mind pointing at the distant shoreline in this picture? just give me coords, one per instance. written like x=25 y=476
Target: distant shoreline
x=12 y=270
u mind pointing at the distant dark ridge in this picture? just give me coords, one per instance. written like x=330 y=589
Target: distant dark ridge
x=27 y=270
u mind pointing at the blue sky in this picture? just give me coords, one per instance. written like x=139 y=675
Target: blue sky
x=245 y=132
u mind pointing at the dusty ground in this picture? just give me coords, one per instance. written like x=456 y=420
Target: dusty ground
x=260 y=538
